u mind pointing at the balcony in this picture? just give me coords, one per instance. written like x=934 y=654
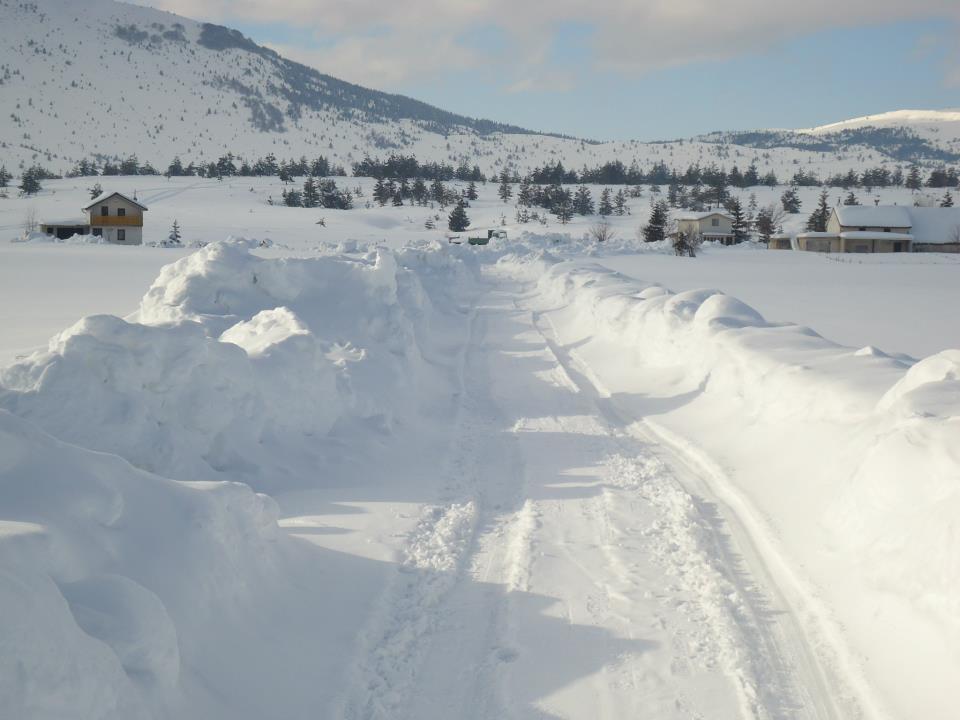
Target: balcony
x=116 y=220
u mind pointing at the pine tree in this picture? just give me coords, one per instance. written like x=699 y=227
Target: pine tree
x=472 y=191
x=606 y=205
x=173 y=239
x=29 y=184
x=311 y=194
x=583 y=201
x=504 y=192
x=5 y=177
x=739 y=224
x=419 y=191
x=751 y=178
x=790 y=201
x=563 y=206
x=947 y=201
x=380 y=192
x=851 y=199
x=398 y=199
x=655 y=229
x=620 y=202
x=817 y=222
x=438 y=192
x=766 y=222
x=95 y=191
x=458 y=220
x=913 y=181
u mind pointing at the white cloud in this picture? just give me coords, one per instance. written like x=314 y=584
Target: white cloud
x=388 y=44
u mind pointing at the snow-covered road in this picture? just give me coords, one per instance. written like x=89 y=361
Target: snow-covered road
x=574 y=565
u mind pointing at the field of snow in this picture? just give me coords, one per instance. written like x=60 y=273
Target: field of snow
x=362 y=473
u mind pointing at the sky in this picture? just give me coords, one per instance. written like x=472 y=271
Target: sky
x=623 y=69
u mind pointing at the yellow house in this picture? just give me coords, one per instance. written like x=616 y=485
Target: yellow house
x=116 y=218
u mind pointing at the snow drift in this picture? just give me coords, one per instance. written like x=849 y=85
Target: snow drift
x=853 y=455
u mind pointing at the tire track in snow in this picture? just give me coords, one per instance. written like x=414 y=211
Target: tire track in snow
x=781 y=675
x=389 y=651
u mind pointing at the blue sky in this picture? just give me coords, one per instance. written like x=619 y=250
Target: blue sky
x=640 y=69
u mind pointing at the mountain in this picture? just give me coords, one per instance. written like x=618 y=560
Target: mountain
x=107 y=80
x=902 y=135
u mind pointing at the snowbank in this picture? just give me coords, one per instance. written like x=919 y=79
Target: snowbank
x=848 y=458
x=237 y=364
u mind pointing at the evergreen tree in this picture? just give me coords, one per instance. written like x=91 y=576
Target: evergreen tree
x=29 y=183
x=563 y=206
x=419 y=191
x=739 y=224
x=790 y=201
x=817 y=222
x=5 y=176
x=472 y=191
x=504 y=192
x=311 y=193
x=751 y=177
x=583 y=201
x=913 y=181
x=620 y=202
x=606 y=205
x=398 y=198
x=947 y=201
x=95 y=191
x=438 y=192
x=896 y=179
x=851 y=199
x=292 y=198
x=380 y=192
x=656 y=228
x=458 y=221
x=766 y=222
x=525 y=194
x=174 y=238
x=175 y=169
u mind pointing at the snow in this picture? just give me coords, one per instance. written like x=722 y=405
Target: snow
x=881 y=216
x=364 y=473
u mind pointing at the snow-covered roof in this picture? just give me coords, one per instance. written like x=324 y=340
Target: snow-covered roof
x=71 y=222
x=873 y=216
x=817 y=235
x=108 y=195
x=874 y=235
x=935 y=224
x=702 y=215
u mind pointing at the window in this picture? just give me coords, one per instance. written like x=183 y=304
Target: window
x=121 y=212
x=886 y=229
x=863 y=229
x=104 y=211
x=715 y=222
x=98 y=232
x=121 y=235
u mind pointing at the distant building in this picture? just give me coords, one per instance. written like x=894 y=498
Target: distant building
x=112 y=216
x=706 y=226
x=116 y=218
x=780 y=241
x=886 y=229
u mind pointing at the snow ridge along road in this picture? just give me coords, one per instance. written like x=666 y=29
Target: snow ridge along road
x=572 y=566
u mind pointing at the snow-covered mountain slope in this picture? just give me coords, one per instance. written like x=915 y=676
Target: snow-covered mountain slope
x=920 y=121
x=108 y=80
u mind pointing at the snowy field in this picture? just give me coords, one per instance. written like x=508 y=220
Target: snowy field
x=366 y=474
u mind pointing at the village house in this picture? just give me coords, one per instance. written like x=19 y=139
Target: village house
x=886 y=229
x=780 y=241
x=711 y=225
x=113 y=216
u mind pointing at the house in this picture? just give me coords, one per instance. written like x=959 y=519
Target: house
x=113 y=216
x=886 y=228
x=706 y=226
x=117 y=218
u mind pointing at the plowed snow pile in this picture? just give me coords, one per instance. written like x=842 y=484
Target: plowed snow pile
x=128 y=594
x=845 y=462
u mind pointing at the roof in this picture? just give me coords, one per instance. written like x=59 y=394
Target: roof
x=935 y=224
x=817 y=235
x=108 y=195
x=66 y=222
x=873 y=216
x=704 y=214
x=874 y=235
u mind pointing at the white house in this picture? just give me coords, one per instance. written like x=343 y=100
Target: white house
x=112 y=216
x=709 y=225
x=117 y=218
x=886 y=228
